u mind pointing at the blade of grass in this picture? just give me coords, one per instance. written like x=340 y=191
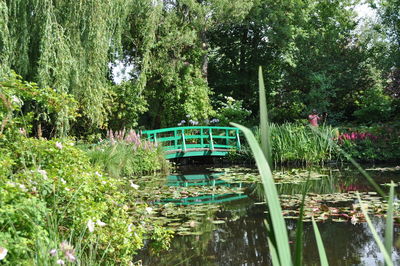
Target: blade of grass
x=321 y=250
x=389 y=221
x=265 y=133
x=299 y=229
x=378 y=241
x=278 y=223
x=271 y=243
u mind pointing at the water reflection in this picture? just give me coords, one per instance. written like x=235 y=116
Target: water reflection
x=244 y=242
x=209 y=180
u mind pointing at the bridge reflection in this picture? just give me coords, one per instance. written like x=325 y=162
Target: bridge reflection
x=208 y=180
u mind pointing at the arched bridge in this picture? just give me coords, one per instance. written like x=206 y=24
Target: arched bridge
x=179 y=142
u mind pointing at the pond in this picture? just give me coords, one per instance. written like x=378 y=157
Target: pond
x=218 y=214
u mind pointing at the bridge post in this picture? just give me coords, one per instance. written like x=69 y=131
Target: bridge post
x=183 y=141
x=227 y=137
x=237 y=139
x=201 y=137
x=175 y=139
x=211 y=140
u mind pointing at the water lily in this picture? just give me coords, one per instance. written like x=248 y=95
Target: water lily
x=90 y=225
x=59 y=145
x=3 y=253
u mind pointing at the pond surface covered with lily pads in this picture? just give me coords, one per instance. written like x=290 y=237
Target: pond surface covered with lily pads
x=218 y=214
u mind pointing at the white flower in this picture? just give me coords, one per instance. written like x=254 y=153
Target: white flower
x=16 y=100
x=59 y=145
x=98 y=174
x=149 y=210
x=22 y=187
x=134 y=185
x=60 y=262
x=100 y=223
x=103 y=182
x=90 y=225
x=3 y=253
x=63 y=181
x=53 y=252
x=130 y=228
x=43 y=173
x=67 y=189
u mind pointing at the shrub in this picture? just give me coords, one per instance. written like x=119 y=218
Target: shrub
x=52 y=184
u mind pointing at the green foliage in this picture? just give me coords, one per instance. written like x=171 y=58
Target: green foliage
x=66 y=46
x=53 y=181
x=127 y=106
x=126 y=160
x=25 y=105
x=229 y=110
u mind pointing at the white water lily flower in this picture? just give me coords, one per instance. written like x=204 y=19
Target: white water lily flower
x=134 y=185
x=3 y=253
x=90 y=225
x=60 y=262
x=149 y=210
x=100 y=223
x=59 y=145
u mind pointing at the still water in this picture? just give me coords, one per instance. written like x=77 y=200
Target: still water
x=239 y=235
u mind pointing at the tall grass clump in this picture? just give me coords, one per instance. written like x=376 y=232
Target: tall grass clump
x=124 y=154
x=299 y=144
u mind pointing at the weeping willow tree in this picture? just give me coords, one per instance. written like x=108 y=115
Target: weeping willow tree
x=66 y=45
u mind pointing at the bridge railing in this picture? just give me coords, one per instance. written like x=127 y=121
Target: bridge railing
x=191 y=138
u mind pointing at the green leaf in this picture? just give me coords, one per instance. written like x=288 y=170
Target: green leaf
x=266 y=144
x=388 y=260
x=278 y=223
x=389 y=221
x=321 y=250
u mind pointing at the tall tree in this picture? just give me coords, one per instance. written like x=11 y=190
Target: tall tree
x=66 y=45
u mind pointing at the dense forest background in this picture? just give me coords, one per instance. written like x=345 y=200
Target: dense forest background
x=197 y=60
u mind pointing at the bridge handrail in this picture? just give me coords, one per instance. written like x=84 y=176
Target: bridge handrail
x=179 y=135
x=163 y=130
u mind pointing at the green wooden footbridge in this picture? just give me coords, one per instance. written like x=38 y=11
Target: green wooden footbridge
x=180 y=142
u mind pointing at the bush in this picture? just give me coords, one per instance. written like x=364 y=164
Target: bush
x=51 y=184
